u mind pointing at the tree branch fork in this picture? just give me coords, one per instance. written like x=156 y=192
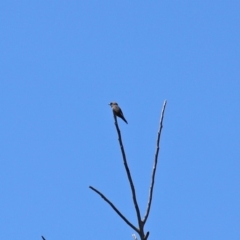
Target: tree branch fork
x=141 y=221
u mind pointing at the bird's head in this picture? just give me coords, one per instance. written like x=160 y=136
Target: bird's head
x=112 y=104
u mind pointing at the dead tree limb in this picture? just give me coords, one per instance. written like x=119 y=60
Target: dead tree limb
x=155 y=164
x=141 y=223
x=129 y=178
x=115 y=209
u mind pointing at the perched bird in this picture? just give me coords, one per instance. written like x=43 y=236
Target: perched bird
x=117 y=111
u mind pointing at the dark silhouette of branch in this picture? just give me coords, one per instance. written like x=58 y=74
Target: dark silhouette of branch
x=155 y=164
x=141 y=223
x=129 y=178
x=146 y=237
x=43 y=238
x=114 y=208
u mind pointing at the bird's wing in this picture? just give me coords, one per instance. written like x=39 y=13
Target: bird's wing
x=120 y=111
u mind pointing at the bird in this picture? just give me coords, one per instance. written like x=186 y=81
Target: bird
x=117 y=111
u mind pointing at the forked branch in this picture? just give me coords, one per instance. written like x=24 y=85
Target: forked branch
x=141 y=223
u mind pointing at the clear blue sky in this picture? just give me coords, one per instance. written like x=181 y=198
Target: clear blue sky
x=62 y=62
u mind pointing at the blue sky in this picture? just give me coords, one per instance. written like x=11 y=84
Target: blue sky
x=62 y=62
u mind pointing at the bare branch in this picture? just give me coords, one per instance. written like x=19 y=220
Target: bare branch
x=43 y=238
x=155 y=164
x=129 y=178
x=146 y=237
x=115 y=209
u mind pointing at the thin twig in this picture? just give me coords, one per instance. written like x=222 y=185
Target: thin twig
x=155 y=164
x=129 y=179
x=146 y=237
x=115 y=209
x=43 y=238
